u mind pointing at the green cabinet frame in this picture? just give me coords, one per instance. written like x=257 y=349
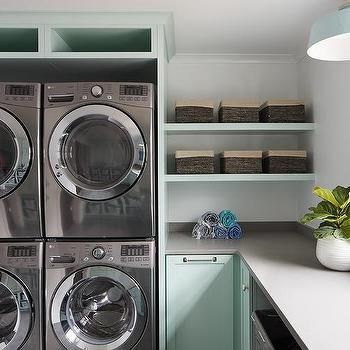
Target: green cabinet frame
x=246 y=306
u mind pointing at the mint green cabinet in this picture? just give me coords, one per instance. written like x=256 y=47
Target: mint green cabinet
x=245 y=305
x=200 y=302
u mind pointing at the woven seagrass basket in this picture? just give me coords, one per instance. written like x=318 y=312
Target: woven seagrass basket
x=231 y=111
x=194 y=162
x=241 y=162
x=194 y=112
x=285 y=162
x=282 y=111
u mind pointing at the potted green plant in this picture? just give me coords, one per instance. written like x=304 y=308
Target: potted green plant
x=333 y=233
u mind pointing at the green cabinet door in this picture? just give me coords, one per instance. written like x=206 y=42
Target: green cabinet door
x=200 y=308
x=245 y=307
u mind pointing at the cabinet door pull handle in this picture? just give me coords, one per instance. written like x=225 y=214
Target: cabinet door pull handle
x=244 y=287
x=213 y=259
x=261 y=336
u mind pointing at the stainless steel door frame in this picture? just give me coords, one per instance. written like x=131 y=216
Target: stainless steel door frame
x=24 y=311
x=97 y=112
x=23 y=150
x=71 y=336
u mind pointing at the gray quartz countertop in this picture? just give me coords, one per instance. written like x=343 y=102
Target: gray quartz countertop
x=314 y=301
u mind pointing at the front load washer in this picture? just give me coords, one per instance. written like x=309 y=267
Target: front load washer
x=21 y=295
x=99 y=161
x=19 y=165
x=100 y=295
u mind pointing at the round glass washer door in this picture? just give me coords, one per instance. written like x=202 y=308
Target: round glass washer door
x=97 y=152
x=15 y=153
x=15 y=312
x=98 y=308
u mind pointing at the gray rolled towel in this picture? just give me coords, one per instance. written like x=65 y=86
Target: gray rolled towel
x=210 y=218
x=202 y=231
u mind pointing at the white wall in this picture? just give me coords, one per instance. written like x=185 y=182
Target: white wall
x=189 y=79
x=220 y=79
x=325 y=86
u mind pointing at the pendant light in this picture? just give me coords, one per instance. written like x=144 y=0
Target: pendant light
x=330 y=36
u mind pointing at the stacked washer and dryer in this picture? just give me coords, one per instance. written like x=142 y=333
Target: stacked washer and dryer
x=99 y=218
x=21 y=245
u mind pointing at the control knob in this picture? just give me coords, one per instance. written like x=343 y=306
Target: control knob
x=96 y=91
x=98 y=253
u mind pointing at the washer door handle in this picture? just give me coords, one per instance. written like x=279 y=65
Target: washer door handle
x=62 y=142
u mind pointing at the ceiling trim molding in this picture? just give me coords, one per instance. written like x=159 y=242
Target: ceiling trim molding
x=184 y=58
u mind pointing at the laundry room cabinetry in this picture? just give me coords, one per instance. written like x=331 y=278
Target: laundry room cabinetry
x=101 y=46
x=100 y=39
x=245 y=306
x=19 y=39
x=85 y=35
x=201 y=305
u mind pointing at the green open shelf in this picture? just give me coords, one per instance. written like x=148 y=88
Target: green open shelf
x=19 y=40
x=101 y=40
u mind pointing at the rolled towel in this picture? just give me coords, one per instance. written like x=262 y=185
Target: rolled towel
x=220 y=232
x=202 y=231
x=210 y=218
x=235 y=232
x=227 y=218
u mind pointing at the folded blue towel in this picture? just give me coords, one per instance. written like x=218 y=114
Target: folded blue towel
x=220 y=232
x=202 y=231
x=210 y=218
x=235 y=232
x=227 y=218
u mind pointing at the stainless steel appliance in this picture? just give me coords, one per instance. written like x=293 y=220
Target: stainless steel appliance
x=19 y=170
x=20 y=295
x=100 y=295
x=99 y=161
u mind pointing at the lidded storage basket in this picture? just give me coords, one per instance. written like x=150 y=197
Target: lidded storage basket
x=284 y=162
x=282 y=111
x=241 y=162
x=239 y=111
x=194 y=162
x=194 y=111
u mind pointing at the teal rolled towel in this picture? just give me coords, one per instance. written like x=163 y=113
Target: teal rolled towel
x=235 y=232
x=227 y=218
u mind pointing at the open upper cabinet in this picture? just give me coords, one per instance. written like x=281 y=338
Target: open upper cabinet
x=84 y=35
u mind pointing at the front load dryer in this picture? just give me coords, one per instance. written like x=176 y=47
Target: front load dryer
x=100 y=295
x=99 y=160
x=20 y=213
x=21 y=294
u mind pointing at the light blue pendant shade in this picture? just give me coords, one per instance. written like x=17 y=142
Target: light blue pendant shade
x=330 y=37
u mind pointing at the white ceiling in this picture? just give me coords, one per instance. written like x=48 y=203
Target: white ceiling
x=215 y=27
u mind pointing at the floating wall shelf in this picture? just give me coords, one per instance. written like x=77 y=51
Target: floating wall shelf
x=238 y=128
x=239 y=178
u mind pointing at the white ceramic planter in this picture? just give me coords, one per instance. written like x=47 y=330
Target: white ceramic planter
x=334 y=253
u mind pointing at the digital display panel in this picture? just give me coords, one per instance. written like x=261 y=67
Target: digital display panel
x=19 y=90
x=135 y=250
x=134 y=90
x=21 y=251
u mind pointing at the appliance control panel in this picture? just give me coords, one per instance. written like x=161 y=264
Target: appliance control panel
x=20 y=94
x=129 y=254
x=132 y=94
x=21 y=255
